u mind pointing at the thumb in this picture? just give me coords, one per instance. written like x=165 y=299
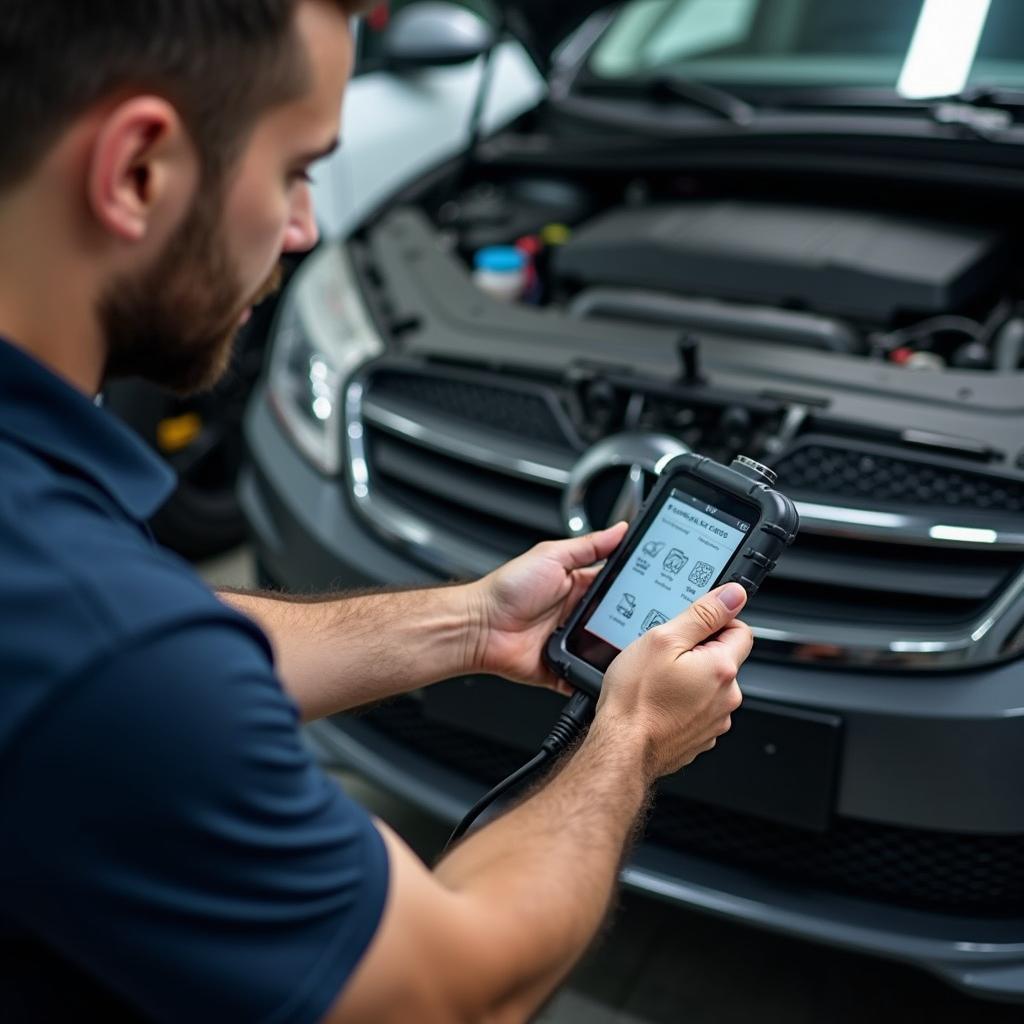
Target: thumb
x=707 y=615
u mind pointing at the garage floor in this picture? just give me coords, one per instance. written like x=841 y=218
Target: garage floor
x=658 y=965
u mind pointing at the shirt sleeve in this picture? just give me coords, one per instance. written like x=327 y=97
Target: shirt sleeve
x=170 y=834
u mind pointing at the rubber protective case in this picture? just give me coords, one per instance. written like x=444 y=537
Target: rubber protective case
x=775 y=530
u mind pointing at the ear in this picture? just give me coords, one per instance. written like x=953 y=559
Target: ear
x=143 y=169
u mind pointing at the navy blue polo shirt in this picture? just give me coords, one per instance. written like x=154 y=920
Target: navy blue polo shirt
x=168 y=849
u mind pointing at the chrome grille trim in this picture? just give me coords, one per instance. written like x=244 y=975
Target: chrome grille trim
x=444 y=553
x=498 y=452
x=902 y=528
x=996 y=634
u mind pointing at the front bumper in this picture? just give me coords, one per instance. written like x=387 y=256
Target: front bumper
x=943 y=753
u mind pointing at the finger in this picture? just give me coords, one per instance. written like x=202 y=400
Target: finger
x=736 y=637
x=560 y=686
x=734 y=696
x=551 y=681
x=722 y=657
x=578 y=552
x=706 y=616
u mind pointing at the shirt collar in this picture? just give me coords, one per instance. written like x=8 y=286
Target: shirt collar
x=45 y=413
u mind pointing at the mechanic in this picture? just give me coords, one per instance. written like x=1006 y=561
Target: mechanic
x=168 y=848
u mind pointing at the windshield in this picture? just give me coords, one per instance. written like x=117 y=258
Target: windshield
x=918 y=48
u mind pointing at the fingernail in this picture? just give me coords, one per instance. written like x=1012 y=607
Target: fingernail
x=732 y=595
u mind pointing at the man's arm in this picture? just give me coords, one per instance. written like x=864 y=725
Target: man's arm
x=500 y=922
x=340 y=653
x=333 y=655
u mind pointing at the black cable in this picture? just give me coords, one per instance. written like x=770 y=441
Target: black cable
x=502 y=787
x=575 y=717
x=933 y=325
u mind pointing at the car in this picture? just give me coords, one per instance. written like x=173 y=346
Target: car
x=790 y=231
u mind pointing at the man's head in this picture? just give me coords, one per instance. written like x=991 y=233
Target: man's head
x=174 y=137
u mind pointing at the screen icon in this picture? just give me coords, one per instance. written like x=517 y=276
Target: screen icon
x=626 y=606
x=674 y=562
x=701 y=574
x=652 y=619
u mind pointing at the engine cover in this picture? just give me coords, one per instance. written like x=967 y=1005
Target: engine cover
x=852 y=263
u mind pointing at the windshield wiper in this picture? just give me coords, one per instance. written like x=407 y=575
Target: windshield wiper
x=708 y=97
x=698 y=94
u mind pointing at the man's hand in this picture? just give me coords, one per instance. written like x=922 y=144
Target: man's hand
x=676 y=686
x=519 y=605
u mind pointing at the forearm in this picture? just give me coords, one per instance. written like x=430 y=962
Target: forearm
x=543 y=874
x=333 y=655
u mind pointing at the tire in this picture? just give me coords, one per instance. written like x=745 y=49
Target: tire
x=199 y=523
x=202 y=518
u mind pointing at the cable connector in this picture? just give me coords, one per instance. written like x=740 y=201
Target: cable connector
x=576 y=716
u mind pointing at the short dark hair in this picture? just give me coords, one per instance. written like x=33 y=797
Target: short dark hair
x=220 y=62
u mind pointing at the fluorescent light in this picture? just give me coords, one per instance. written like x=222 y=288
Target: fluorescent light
x=963 y=534
x=942 y=51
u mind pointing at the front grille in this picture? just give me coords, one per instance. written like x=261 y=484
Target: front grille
x=915 y=868
x=504 y=512
x=470 y=456
x=948 y=872
x=468 y=468
x=830 y=579
x=829 y=471
x=520 y=413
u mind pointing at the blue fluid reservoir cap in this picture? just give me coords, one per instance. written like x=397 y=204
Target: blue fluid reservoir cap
x=500 y=259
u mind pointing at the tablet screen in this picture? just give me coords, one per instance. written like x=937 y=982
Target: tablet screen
x=680 y=556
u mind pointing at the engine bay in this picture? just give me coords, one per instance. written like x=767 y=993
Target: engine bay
x=913 y=289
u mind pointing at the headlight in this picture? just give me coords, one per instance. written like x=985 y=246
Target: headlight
x=322 y=333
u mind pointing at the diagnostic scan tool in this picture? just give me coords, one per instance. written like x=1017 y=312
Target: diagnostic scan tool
x=703 y=525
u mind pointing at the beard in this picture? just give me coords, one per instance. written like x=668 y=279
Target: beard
x=175 y=324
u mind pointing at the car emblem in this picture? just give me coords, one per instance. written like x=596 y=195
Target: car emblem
x=612 y=479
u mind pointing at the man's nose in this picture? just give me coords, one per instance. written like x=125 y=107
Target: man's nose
x=302 y=232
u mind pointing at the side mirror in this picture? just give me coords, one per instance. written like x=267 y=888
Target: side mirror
x=435 y=34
